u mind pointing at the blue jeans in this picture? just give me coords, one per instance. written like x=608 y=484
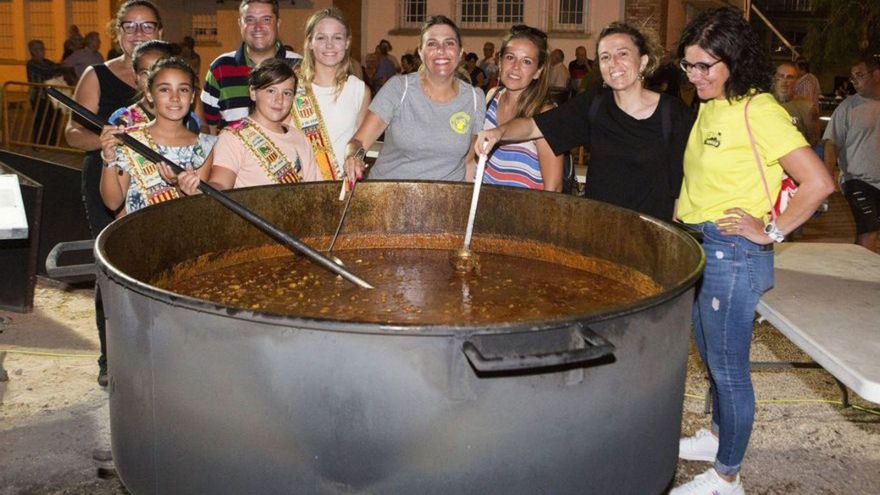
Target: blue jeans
x=737 y=273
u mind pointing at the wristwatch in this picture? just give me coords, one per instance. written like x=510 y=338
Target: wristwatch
x=773 y=232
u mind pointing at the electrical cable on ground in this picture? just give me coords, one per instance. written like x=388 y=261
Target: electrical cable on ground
x=868 y=410
x=30 y=352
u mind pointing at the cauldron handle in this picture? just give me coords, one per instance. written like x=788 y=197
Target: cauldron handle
x=510 y=352
x=85 y=271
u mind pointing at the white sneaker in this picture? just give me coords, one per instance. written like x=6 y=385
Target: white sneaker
x=709 y=483
x=701 y=447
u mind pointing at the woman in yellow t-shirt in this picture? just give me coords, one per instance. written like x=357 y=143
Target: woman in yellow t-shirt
x=723 y=196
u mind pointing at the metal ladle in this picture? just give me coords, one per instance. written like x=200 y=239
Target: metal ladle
x=464 y=260
x=279 y=235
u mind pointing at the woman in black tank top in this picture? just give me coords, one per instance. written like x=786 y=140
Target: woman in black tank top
x=102 y=89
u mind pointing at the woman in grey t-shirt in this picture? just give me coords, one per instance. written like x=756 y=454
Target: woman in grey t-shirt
x=430 y=118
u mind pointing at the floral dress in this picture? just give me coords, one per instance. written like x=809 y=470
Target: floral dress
x=146 y=187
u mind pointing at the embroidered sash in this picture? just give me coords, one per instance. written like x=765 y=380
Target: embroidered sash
x=136 y=115
x=274 y=162
x=307 y=117
x=145 y=173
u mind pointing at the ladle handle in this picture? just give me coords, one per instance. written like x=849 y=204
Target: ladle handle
x=475 y=198
x=342 y=218
x=279 y=235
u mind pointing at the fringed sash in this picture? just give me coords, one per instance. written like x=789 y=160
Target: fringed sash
x=137 y=115
x=273 y=161
x=307 y=117
x=146 y=173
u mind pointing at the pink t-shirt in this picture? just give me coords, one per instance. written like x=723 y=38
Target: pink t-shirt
x=230 y=153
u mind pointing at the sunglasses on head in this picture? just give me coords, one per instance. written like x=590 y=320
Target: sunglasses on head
x=523 y=29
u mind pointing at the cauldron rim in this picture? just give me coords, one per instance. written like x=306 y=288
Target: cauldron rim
x=429 y=330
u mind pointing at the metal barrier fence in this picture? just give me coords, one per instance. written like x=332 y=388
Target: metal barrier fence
x=31 y=118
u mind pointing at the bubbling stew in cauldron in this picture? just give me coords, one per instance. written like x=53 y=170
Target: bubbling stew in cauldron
x=415 y=283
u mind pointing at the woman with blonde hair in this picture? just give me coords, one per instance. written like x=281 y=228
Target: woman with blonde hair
x=523 y=92
x=330 y=101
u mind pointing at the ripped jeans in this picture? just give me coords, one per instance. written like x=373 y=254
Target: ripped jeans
x=737 y=273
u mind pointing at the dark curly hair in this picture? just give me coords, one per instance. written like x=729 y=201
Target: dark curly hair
x=725 y=34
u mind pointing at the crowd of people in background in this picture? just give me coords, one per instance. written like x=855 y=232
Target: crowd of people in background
x=80 y=52
x=266 y=114
x=381 y=64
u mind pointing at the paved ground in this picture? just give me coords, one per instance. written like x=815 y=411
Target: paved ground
x=803 y=441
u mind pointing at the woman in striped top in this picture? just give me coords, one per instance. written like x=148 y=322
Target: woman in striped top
x=522 y=93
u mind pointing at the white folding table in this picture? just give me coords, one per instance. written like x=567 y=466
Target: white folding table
x=826 y=300
x=13 y=220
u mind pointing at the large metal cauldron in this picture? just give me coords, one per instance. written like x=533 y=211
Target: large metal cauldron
x=210 y=399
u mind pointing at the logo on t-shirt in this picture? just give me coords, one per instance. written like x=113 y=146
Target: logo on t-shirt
x=713 y=139
x=460 y=122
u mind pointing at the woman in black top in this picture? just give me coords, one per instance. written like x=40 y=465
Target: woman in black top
x=102 y=89
x=636 y=137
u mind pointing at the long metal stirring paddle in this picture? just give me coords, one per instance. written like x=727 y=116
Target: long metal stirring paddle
x=279 y=235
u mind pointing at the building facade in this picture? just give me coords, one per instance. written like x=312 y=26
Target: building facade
x=213 y=23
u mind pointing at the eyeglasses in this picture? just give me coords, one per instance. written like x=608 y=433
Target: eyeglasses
x=146 y=27
x=702 y=68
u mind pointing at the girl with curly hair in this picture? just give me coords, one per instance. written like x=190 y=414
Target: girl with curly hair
x=738 y=149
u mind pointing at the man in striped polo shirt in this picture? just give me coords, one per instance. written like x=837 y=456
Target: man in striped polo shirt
x=225 y=98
